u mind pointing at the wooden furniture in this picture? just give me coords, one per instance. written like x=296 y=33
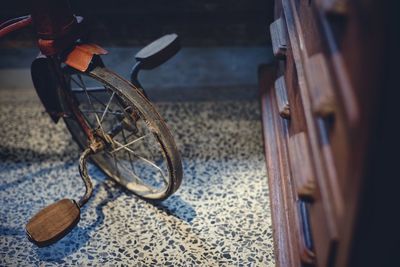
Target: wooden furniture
x=323 y=108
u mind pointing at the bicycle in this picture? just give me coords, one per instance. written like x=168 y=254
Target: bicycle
x=110 y=118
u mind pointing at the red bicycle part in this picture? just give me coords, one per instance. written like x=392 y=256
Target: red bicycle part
x=81 y=56
x=11 y=26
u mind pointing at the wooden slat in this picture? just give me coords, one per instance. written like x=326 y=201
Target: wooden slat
x=322 y=216
x=278 y=38
x=281 y=196
x=320 y=86
x=307 y=255
x=300 y=161
x=282 y=97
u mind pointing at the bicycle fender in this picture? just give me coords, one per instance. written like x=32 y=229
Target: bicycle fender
x=46 y=86
x=81 y=56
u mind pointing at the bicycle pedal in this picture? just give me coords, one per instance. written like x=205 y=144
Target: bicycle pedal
x=53 y=222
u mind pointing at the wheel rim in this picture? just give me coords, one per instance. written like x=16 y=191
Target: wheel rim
x=135 y=156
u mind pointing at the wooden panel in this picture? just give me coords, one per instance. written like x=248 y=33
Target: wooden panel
x=333 y=78
x=282 y=97
x=307 y=27
x=307 y=255
x=302 y=172
x=285 y=228
x=278 y=38
x=320 y=86
x=322 y=212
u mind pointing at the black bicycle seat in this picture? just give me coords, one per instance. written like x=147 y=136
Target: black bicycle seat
x=159 y=51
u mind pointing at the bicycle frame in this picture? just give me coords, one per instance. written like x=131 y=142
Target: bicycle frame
x=14 y=25
x=58 y=31
x=64 y=53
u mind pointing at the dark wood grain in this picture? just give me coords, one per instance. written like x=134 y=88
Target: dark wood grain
x=323 y=216
x=334 y=80
x=282 y=97
x=278 y=38
x=307 y=255
x=285 y=244
x=320 y=86
x=301 y=166
x=53 y=222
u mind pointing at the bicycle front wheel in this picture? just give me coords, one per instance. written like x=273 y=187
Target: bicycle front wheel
x=143 y=156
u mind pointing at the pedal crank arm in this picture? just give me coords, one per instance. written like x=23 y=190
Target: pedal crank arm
x=83 y=171
x=56 y=220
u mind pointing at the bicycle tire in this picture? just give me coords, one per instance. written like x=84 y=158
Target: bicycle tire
x=132 y=95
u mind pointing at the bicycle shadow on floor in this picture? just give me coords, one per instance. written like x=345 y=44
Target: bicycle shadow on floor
x=173 y=205
x=4 y=185
x=15 y=155
x=24 y=158
x=80 y=236
x=178 y=208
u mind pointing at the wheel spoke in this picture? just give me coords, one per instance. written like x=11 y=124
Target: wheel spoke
x=97 y=100
x=76 y=82
x=101 y=112
x=129 y=154
x=89 y=89
x=90 y=102
x=135 y=157
x=108 y=105
x=118 y=173
x=121 y=146
x=144 y=159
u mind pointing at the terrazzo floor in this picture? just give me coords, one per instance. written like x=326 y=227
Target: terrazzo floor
x=220 y=216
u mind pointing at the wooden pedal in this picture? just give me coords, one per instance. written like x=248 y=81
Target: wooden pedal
x=53 y=222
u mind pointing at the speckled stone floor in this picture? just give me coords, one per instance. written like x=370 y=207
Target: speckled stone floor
x=219 y=217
